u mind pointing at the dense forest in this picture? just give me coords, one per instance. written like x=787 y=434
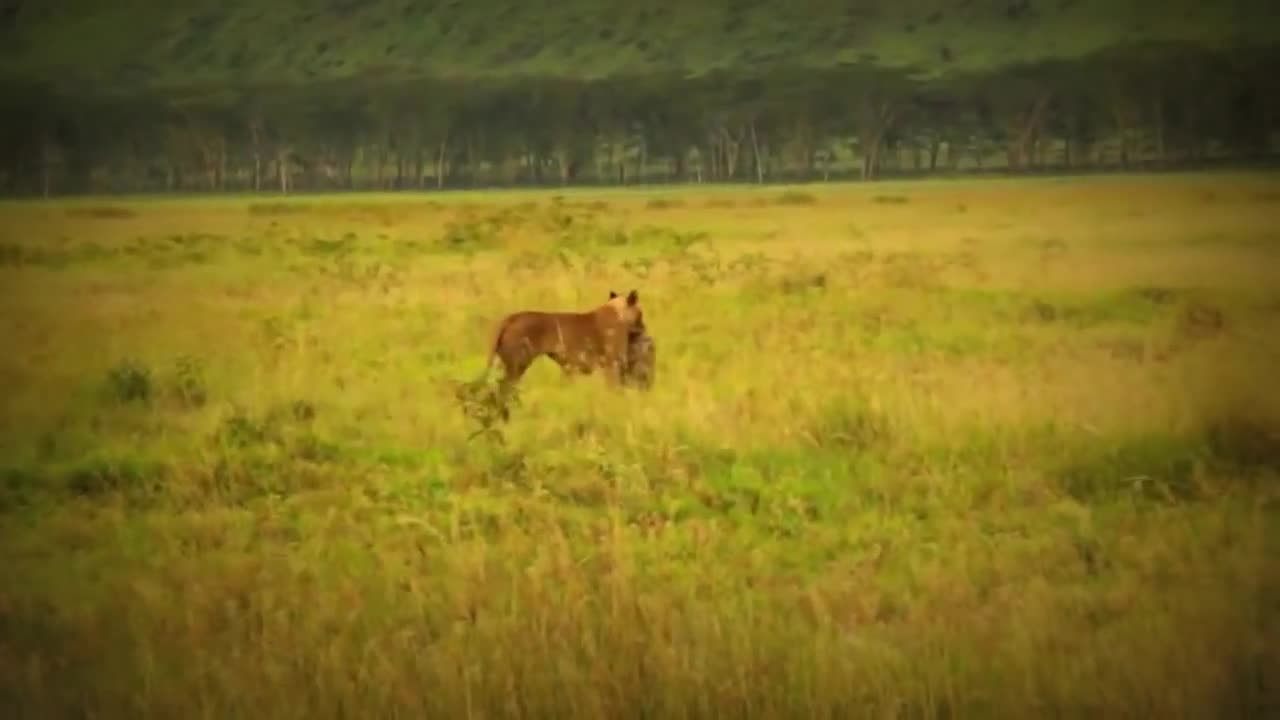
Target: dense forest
x=200 y=96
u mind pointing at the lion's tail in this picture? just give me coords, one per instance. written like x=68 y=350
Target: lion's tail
x=493 y=347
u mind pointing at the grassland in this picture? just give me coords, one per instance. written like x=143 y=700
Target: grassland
x=990 y=449
x=198 y=42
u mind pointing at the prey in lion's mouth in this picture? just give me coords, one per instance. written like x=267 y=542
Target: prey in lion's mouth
x=642 y=351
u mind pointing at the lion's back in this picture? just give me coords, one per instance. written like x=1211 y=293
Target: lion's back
x=555 y=332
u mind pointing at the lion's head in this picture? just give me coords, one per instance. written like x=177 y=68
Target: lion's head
x=628 y=311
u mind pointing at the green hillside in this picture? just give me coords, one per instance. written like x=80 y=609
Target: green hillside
x=134 y=44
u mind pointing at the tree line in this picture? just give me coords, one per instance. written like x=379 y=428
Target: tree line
x=1140 y=108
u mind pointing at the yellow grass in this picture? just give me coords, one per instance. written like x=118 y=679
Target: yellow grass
x=991 y=449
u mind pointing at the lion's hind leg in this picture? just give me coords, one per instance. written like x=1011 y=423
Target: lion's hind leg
x=515 y=364
x=506 y=392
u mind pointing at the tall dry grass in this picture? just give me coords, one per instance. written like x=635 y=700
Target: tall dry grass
x=916 y=450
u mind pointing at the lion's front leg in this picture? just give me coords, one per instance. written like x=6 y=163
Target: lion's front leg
x=612 y=364
x=613 y=372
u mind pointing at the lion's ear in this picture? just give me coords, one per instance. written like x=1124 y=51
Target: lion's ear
x=633 y=298
x=612 y=294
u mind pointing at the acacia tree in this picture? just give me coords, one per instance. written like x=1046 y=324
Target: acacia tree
x=252 y=113
x=784 y=122
x=880 y=95
x=827 y=109
x=670 y=132
x=209 y=142
x=748 y=109
x=557 y=110
x=37 y=118
x=506 y=139
x=1197 y=99
x=930 y=115
x=877 y=114
x=1125 y=111
x=292 y=125
x=1074 y=118
x=52 y=159
x=1252 y=107
x=381 y=110
x=690 y=121
x=437 y=108
x=1019 y=100
x=608 y=120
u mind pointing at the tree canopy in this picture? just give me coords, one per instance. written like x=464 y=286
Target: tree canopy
x=147 y=44
x=360 y=94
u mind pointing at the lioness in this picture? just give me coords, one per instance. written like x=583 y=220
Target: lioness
x=578 y=342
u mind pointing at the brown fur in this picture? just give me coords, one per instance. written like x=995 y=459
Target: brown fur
x=579 y=342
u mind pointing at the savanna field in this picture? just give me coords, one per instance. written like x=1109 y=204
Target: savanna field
x=915 y=450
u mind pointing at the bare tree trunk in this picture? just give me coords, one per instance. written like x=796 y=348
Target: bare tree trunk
x=642 y=162
x=561 y=156
x=222 y=166
x=1122 y=115
x=48 y=153
x=1024 y=133
x=473 y=167
x=807 y=152
x=255 y=140
x=208 y=161
x=1159 y=122
x=610 y=171
x=870 y=156
x=282 y=169
x=755 y=152
x=440 y=156
x=877 y=119
x=732 y=149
